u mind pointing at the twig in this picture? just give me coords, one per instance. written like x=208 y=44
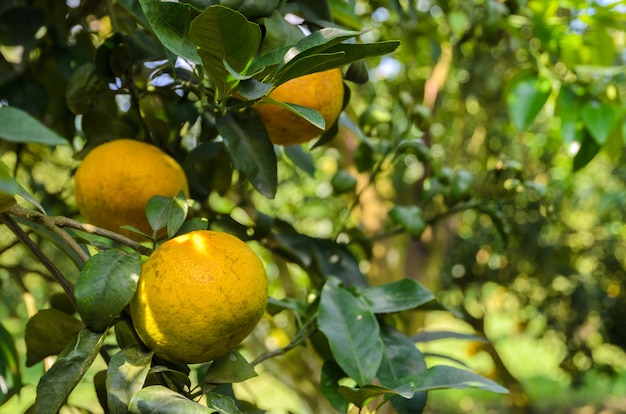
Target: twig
x=52 y=222
x=307 y=330
x=32 y=246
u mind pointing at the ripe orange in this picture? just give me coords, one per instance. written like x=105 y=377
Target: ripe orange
x=114 y=182
x=322 y=91
x=199 y=295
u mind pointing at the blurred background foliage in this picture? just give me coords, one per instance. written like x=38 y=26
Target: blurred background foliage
x=519 y=179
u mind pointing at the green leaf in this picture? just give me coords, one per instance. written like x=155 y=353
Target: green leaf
x=224 y=35
x=352 y=332
x=401 y=358
x=300 y=158
x=589 y=148
x=10 y=372
x=126 y=374
x=310 y=114
x=526 y=99
x=360 y=396
x=48 y=332
x=230 y=368
x=8 y=185
x=250 y=149
x=171 y=22
x=410 y=218
x=329 y=384
x=82 y=88
x=157 y=211
x=461 y=184
x=157 y=399
x=441 y=376
x=18 y=126
x=343 y=182
x=105 y=286
x=428 y=336
x=600 y=118
x=397 y=296
x=178 y=209
x=58 y=382
x=568 y=110
x=221 y=404
x=196 y=223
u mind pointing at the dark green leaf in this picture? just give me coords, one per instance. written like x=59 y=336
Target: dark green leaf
x=526 y=99
x=360 y=396
x=310 y=114
x=221 y=404
x=157 y=399
x=18 y=126
x=105 y=286
x=157 y=211
x=250 y=149
x=352 y=331
x=441 y=376
x=230 y=368
x=10 y=371
x=177 y=213
x=171 y=23
x=252 y=89
x=82 y=88
x=397 y=296
x=224 y=35
x=126 y=374
x=410 y=218
x=461 y=185
x=301 y=159
x=48 y=332
x=600 y=118
x=329 y=384
x=196 y=223
x=252 y=9
x=58 y=382
x=589 y=148
x=401 y=358
x=343 y=182
x=334 y=57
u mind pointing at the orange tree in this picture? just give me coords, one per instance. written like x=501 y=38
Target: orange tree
x=188 y=77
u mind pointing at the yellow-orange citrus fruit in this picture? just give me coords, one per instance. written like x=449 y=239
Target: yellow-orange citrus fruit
x=322 y=91
x=114 y=182
x=198 y=296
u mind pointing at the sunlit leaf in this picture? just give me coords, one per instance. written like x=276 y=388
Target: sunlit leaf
x=221 y=404
x=526 y=99
x=441 y=376
x=157 y=399
x=126 y=374
x=397 y=296
x=600 y=118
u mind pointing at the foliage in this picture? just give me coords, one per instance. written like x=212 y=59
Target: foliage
x=478 y=157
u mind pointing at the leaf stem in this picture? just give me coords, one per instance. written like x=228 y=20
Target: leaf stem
x=55 y=223
x=307 y=330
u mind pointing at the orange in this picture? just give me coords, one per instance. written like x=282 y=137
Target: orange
x=322 y=91
x=114 y=182
x=198 y=296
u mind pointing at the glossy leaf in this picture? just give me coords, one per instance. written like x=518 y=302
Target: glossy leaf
x=250 y=149
x=397 y=296
x=178 y=209
x=157 y=399
x=600 y=118
x=410 y=218
x=18 y=126
x=171 y=22
x=401 y=358
x=230 y=368
x=48 y=332
x=360 y=396
x=59 y=381
x=352 y=332
x=309 y=114
x=126 y=374
x=157 y=211
x=442 y=376
x=224 y=35
x=105 y=286
x=526 y=99
x=221 y=404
